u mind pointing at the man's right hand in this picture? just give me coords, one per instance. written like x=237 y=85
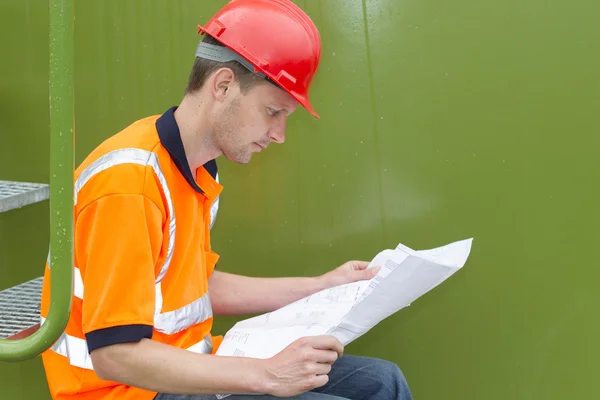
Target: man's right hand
x=302 y=366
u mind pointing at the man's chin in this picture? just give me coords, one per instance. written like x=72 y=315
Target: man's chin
x=239 y=158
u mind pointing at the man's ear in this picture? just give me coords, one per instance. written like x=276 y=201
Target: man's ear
x=222 y=83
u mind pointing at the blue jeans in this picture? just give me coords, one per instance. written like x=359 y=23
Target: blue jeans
x=352 y=377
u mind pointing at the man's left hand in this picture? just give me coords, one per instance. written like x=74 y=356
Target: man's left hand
x=348 y=272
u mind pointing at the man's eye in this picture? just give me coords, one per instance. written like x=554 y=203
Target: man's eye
x=272 y=112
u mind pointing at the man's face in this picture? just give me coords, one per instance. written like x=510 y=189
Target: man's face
x=249 y=122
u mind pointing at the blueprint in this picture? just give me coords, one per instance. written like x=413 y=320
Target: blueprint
x=351 y=310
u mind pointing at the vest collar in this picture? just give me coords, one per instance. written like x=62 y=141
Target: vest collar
x=205 y=180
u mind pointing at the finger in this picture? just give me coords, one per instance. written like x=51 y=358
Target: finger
x=364 y=275
x=327 y=342
x=361 y=265
x=369 y=273
x=314 y=368
x=325 y=356
x=321 y=368
x=317 y=381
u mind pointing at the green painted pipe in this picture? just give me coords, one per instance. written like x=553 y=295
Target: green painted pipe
x=61 y=188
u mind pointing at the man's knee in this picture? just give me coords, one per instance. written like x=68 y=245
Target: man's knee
x=391 y=378
x=388 y=370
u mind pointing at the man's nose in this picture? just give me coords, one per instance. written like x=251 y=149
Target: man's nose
x=277 y=132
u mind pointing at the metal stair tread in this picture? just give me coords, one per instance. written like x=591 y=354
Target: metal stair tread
x=20 y=307
x=20 y=194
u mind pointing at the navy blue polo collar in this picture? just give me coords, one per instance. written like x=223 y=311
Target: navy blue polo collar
x=170 y=138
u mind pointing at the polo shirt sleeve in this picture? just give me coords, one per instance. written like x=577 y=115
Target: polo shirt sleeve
x=118 y=240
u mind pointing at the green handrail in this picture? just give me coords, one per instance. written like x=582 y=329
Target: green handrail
x=61 y=188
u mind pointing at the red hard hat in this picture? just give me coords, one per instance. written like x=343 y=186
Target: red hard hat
x=276 y=37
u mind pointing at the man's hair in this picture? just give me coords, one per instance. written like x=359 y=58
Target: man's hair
x=203 y=68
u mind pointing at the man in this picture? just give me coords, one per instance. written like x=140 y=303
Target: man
x=140 y=326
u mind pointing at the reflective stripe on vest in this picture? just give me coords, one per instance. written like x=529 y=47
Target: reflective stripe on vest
x=140 y=157
x=214 y=208
x=76 y=350
x=169 y=322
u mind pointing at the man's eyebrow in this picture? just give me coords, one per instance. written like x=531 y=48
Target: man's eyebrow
x=287 y=109
x=280 y=109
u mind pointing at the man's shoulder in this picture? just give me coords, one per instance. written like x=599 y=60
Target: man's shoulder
x=140 y=134
x=122 y=164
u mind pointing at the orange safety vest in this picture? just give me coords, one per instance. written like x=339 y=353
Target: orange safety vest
x=142 y=256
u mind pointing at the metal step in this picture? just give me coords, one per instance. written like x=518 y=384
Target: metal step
x=20 y=194
x=20 y=309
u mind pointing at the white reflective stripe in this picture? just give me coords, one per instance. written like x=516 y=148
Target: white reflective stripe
x=76 y=351
x=214 y=208
x=204 y=347
x=177 y=320
x=74 y=348
x=158 y=299
x=140 y=157
x=145 y=158
x=77 y=280
x=77 y=283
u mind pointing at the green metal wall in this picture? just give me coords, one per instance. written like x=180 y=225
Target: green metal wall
x=440 y=120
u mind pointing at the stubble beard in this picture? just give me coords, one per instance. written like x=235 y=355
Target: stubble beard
x=227 y=134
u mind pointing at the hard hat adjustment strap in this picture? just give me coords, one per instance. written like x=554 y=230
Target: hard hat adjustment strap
x=224 y=54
